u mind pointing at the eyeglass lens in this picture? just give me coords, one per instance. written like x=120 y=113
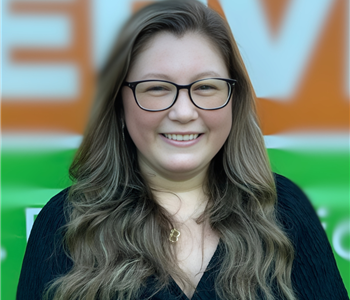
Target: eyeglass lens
x=207 y=94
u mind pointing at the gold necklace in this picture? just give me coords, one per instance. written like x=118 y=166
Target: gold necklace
x=174 y=235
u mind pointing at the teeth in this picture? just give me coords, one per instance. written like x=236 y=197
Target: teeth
x=180 y=137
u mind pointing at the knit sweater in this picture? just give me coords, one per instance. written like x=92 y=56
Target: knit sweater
x=314 y=273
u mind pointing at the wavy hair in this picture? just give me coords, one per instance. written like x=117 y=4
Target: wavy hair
x=112 y=212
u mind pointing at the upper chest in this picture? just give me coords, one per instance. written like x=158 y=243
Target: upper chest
x=194 y=251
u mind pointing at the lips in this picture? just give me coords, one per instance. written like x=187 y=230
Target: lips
x=181 y=137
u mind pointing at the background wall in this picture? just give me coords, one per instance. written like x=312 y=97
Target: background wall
x=296 y=52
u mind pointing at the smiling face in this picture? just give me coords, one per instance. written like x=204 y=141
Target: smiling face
x=180 y=142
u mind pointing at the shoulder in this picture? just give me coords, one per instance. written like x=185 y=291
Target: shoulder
x=297 y=215
x=52 y=215
x=57 y=202
x=314 y=274
x=289 y=194
x=45 y=257
x=294 y=209
x=48 y=227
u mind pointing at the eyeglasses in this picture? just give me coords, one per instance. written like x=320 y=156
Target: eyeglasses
x=158 y=95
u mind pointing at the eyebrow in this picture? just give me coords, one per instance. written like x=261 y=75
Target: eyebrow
x=156 y=76
x=207 y=73
x=166 y=77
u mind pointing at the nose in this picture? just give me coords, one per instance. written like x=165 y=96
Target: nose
x=183 y=110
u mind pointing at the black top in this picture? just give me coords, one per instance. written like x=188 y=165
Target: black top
x=314 y=275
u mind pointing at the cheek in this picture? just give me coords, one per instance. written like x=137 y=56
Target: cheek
x=132 y=117
x=140 y=124
x=220 y=123
x=220 y=128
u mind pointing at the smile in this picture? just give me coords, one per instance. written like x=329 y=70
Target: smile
x=180 y=137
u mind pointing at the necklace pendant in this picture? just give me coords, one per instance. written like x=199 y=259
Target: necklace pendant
x=174 y=235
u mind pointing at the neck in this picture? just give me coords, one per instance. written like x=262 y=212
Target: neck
x=184 y=205
x=183 y=198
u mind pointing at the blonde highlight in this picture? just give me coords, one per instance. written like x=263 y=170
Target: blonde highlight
x=112 y=212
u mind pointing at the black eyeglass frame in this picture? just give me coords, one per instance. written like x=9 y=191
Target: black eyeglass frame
x=230 y=82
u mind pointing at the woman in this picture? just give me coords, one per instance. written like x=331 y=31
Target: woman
x=173 y=196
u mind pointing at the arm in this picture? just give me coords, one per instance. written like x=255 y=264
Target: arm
x=315 y=275
x=44 y=258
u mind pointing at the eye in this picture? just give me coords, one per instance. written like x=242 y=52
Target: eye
x=156 y=88
x=205 y=87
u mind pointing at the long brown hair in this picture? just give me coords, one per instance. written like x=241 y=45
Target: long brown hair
x=113 y=214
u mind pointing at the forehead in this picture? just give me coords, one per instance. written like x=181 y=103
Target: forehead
x=178 y=57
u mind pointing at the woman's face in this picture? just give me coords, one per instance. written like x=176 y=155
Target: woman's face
x=181 y=60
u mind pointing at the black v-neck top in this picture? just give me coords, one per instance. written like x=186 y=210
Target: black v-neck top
x=314 y=274
x=204 y=290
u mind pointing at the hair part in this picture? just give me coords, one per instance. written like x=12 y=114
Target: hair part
x=112 y=212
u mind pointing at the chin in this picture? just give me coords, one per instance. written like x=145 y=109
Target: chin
x=184 y=168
